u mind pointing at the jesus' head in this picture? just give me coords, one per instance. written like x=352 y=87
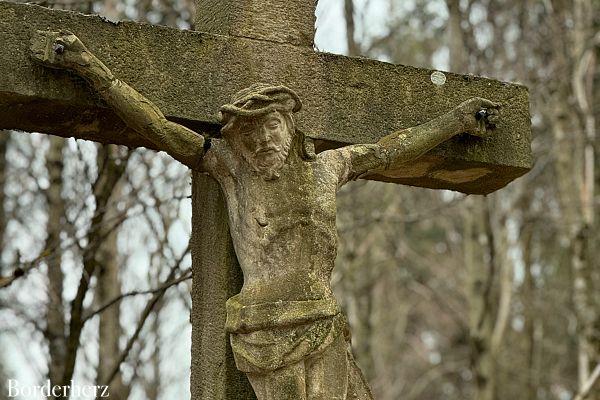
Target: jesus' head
x=259 y=126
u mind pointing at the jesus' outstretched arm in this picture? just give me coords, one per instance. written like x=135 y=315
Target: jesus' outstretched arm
x=475 y=116
x=64 y=50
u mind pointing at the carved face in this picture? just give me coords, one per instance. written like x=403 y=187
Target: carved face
x=263 y=142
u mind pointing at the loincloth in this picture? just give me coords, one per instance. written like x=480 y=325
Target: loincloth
x=268 y=336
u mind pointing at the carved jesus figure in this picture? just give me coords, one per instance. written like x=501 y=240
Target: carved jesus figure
x=287 y=331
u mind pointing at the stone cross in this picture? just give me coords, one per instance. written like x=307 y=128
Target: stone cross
x=189 y=75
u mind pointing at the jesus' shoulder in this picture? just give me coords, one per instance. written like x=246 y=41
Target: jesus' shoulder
x=352 y=162
x=218 y=160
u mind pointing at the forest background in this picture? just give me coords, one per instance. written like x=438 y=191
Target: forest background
x=449 y=296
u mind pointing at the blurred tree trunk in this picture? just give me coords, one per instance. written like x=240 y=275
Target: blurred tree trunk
x=4 y=139
x=108 y=289
x=585 y=286
x=574 y=133
x=481 y=275
x=154 y=386
x=456 y=40
x=353 y=45
x=481 y=262
x=358 y=295
x=4 y=377
x=55 y=313
x=530 y=312
x=112 y=165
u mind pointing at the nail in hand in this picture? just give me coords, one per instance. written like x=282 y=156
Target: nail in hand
x=481 y=114
x=58 y=48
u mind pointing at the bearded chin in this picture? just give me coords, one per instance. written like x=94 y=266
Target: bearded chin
x=268 y=167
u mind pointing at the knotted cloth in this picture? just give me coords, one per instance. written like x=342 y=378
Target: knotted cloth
x=268 y=336
x=257 y=100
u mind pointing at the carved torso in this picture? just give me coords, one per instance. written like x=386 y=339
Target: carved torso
x=283 y=230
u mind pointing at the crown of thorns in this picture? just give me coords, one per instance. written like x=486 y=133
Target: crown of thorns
x=257 y=100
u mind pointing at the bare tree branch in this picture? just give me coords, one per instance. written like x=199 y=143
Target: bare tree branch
x=186 y=276
x=108 y=176
x=144 y=316
x=587 y=387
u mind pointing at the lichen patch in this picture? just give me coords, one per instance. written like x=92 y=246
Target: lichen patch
x=460 y=176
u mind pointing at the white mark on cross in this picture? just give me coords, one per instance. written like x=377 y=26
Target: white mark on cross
x=438 y=78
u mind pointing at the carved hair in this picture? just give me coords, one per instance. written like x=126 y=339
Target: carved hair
x=261 y=99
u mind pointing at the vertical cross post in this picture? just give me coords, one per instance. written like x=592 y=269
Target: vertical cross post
x=284 y=21
x=217 y=275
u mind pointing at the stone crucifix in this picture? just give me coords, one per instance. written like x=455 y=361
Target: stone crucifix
x=279 y=174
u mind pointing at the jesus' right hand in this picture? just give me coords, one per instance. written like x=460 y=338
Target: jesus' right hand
x=64 y=50
x=60 y=50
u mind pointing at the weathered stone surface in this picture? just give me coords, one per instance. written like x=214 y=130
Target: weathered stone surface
x=274 y=20
x=217 y=277
x=346 y=100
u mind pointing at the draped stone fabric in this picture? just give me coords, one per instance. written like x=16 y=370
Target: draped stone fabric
x=268 y=336
x=296 y=350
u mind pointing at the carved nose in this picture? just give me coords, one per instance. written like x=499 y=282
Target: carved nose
x=265 y=135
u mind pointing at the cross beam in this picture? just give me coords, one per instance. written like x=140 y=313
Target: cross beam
x=190 y=74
